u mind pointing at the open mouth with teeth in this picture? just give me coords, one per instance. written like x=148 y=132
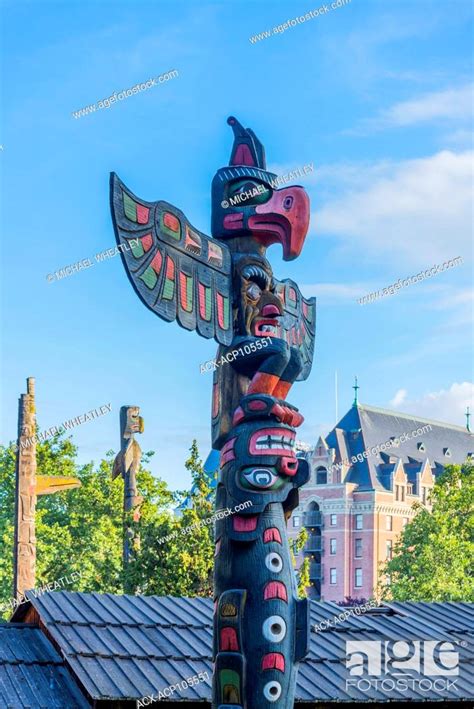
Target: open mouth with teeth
x=266 y=322
x=273 y=441
x=265 y=326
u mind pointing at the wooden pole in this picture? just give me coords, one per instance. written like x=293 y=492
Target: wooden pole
x=28 y=485
x=223 y=287
x=127 y=464
x=24 y=560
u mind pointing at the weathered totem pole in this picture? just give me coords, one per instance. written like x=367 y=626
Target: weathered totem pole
x=28 y=486
x=224 y=288
x=126 y=464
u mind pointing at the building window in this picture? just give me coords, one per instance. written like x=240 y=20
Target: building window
x=359 y=522
x=296 y=521
x=333 y=520
x=358 y=548
x=424 y=495
x=400 y=493
x=389 y=523
x=410 y=488
x=321 y=476
x=389 y=550
x=332 y=577
x=358 y=578
x=332 y=546
x=404 y=521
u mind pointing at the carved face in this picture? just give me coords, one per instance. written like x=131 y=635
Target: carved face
x=259 y=307
x=131 y=421
x=258 y=464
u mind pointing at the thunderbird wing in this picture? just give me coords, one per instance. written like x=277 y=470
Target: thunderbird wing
x=177 y=271
x=298 y=325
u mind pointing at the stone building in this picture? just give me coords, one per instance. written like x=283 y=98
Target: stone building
x=366 y=475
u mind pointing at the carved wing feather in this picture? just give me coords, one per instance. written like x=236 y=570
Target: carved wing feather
x=177 y=271
x=298 y=325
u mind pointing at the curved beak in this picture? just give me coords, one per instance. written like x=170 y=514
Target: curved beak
x=284 y=219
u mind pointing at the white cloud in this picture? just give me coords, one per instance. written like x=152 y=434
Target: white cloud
x=334 y=292
x=399 y=398
x=417 y=212
x=461 y=139
x=450 y=104
x=460 y=302
x=447 y=405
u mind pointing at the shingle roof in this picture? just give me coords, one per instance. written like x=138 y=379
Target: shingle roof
x=127 y=647
x=32 y=674
x=368 y=427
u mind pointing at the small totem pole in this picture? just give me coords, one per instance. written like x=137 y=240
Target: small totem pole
x=27 y=487
x=224 y=288
x=126 y=464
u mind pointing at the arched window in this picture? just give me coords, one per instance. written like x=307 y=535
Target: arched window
x=321 y=475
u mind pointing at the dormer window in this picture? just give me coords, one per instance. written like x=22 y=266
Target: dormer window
x=421 y=446
x=447 y=452
x=321 y=476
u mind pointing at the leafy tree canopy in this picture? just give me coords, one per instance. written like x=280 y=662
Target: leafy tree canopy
x=434 y=557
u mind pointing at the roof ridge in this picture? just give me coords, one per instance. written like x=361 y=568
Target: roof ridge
x=127 y=624
x=413 y=417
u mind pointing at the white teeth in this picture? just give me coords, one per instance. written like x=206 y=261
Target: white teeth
x=270 y=442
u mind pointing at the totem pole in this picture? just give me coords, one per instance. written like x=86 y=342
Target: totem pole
x=224 y=288
x=126 y=464
x=27 y=488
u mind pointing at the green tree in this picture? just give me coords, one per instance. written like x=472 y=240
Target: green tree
x=433 y=559
x=302 y=575
x=182 y=547
x=81 y=530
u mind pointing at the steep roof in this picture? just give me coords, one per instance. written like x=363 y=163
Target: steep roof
x=32 y=674
x=127 y=647
x=366 y=427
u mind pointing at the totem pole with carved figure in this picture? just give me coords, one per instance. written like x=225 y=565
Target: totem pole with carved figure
x=224 y=288
x=127 y=464
x=27 y=488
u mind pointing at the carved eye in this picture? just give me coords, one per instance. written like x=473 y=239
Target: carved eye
x=254 y=291
x=272 y=691
x=274 y=562
x=274 y=628
x=249 y=192
x=260 y=477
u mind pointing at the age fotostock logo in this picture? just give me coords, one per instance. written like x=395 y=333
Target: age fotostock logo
x=399 y=665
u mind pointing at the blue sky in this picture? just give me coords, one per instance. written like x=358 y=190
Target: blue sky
x=377 y=95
